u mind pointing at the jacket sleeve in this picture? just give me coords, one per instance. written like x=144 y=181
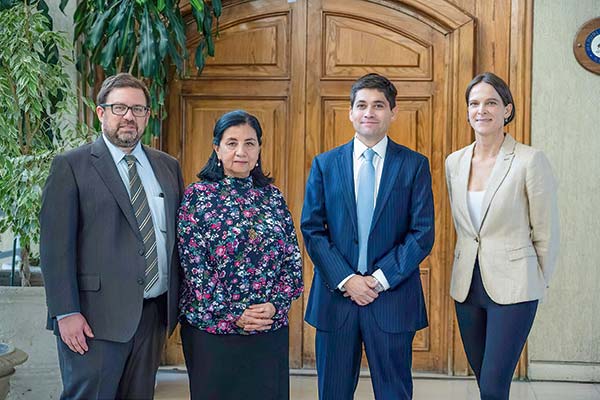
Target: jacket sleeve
x=543 y=212
x=448 y=184
x=327 y=259
x=58 y=239
x=289 y=285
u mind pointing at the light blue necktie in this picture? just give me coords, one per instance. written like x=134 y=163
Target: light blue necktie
x=364 y=207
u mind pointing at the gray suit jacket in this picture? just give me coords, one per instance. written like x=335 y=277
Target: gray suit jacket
x=92 y=253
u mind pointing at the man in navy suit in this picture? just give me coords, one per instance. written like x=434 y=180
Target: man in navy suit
x=367 y=223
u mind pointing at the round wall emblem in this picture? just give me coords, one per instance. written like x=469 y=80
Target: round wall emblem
x=586 y=46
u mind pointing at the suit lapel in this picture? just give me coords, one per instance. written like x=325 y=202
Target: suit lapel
x=106 y=168
x=391 y=168
x=346 y=172
x=460 y=191
x=499 y=172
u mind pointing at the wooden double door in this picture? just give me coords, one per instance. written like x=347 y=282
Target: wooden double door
x=292 y=63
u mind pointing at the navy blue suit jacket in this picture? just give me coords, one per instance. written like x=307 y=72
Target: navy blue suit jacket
x=402 y=234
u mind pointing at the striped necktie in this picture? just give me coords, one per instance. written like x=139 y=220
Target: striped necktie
x=139 y=201
x=364 y=207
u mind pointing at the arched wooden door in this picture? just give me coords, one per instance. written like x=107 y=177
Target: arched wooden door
x=292 y=64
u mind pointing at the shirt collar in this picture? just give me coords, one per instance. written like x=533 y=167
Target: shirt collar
x=117 y=154
x=380 y=148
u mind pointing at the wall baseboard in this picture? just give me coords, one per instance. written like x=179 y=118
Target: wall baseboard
x=563 y=371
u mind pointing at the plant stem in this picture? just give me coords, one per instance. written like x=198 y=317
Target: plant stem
x=28 y=133
x=13 y=89
x=25 y=270
x=132 y=65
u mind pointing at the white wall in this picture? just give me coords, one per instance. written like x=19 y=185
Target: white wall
x=63 y=22
x=565 y=340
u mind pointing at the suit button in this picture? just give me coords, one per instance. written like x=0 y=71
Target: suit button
x=355 y=241
x=476 y=240
x=140 y=281
x=141 y=252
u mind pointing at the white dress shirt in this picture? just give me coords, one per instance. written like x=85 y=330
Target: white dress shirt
x=357 y=162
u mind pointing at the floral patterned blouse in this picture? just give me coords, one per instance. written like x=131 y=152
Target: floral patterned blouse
x=238 y=247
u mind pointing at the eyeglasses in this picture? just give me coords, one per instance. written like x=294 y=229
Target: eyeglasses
x=122 y=109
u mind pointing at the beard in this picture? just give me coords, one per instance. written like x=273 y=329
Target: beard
x=125 y=135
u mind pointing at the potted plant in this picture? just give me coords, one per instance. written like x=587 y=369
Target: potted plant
x=9 y=359
x=38 y=118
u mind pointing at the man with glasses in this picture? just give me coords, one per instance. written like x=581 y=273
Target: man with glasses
x=108 y=251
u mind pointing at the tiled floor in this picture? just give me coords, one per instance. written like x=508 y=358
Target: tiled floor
x=173 y=385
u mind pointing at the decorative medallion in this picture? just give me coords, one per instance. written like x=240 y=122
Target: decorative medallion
x=586 y=46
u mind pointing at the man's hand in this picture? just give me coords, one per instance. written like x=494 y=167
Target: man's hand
x=73 y=330
x=375 y=284
x=257 y=317
x=361 y=289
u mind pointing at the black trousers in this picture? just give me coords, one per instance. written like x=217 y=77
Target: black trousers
x=113 y=370
x=234 y=367
x=493 y=335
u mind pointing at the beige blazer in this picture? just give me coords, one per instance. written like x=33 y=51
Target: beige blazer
x=517 y=244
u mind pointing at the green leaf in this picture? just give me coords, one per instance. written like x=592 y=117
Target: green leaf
x=175 y=57
x=207 y=29
x=163 y=42
x=197 y=5
x=177 y=26
x=80 y=17
x=97 y=30
x=63 y=5
x=199 y=58
x=6 y=4
x=127 y=35
x=107 y=57
x=117 y=20
x=210 y=46
x=207 y=24
x=217 y=7
x=160 y=5
x=147 y=47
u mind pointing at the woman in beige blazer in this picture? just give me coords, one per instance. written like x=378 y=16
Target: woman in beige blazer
x=503 y=199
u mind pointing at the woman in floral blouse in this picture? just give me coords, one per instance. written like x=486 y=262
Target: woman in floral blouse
x=242 y=269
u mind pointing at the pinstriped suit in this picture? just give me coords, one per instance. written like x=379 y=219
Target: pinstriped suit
x=402 y=234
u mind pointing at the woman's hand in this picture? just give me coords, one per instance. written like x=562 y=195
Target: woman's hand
x=257 y=317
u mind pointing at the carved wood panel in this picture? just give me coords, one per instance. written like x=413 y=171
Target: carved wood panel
x=292 y=63
x=352 y=38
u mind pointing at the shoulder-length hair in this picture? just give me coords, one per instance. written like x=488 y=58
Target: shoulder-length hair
x=212 y=170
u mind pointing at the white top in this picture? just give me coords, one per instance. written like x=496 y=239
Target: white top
x=474 y=203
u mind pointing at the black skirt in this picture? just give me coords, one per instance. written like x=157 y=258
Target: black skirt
x=223 y=367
